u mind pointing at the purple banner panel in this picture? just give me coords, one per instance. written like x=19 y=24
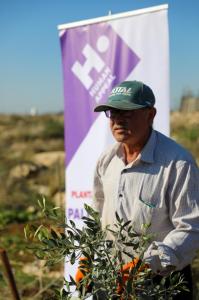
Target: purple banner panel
x=95 y=58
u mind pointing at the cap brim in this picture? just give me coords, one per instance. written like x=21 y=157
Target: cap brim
x=118 y=105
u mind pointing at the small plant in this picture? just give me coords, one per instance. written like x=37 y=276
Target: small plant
x=102 y=269
x=53 y=129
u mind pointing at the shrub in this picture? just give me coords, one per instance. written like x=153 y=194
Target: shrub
x=102 y=264
x=53 y=129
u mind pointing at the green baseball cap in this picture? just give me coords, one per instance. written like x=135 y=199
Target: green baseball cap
x=129 y=95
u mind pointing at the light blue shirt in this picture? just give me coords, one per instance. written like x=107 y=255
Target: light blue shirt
x=160 y=187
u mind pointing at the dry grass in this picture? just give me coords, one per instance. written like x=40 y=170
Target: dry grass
x=185 y=130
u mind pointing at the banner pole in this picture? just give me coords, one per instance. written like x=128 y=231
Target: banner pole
x=113 y=17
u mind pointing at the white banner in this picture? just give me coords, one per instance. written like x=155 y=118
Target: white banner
x=98 y=54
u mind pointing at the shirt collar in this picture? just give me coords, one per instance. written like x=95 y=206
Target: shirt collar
x=147 y=153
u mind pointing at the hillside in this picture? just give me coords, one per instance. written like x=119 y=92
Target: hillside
x=185 y=130
x=32 y=164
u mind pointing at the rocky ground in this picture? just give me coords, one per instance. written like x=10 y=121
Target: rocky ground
x=31 y=164
x=31 y=158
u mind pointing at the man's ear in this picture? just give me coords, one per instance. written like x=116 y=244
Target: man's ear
x=152 y=113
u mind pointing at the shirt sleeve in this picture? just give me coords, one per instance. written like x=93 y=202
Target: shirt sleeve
x=180 y=245
x=98 y=193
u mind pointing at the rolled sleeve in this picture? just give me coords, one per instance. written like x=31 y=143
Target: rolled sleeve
x=160 y=257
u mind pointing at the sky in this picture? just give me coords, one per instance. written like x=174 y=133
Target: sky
x=30 y=55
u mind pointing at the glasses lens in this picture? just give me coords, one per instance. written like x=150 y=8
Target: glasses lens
x=108 y=113
x=117 y=113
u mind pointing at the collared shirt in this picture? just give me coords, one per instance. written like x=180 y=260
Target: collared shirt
x=160 y=187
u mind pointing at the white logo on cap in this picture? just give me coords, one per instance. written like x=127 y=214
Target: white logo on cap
x=121 y=91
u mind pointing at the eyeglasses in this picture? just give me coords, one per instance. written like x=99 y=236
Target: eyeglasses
x=115 y=113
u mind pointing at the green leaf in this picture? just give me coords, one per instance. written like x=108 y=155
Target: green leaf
x=87 y=219
x=163 y=281
x=83 y=270
x=72 y=223
x=118 y=218
x=126 y=224
x=39 y=203
x=130 y=244
x=94 y=214
x=27 y=231
x=129 y=286
x=63 y=236
x=73 y=258
x=51 y=243
x=84 y=253
x=79 y=231
x=89 y=231
x=72 y=281
x=54 y=234
x=129 y=254
x=38 y=229
x=133 y=234
x=70 y=233
x=90 y=224
x=64 y=293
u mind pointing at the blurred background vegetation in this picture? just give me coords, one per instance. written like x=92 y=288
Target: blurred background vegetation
x=32 y=164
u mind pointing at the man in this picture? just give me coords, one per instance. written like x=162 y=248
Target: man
x=146 y=177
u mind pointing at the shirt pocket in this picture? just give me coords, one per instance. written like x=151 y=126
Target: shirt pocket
x=142 y=212
x=153 y=213
x=149 y=208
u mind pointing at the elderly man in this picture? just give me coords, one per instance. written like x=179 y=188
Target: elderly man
x=147 y=177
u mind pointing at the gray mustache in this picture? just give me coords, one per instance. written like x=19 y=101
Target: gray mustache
x=119 y=127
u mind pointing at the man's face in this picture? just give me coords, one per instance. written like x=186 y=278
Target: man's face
x=131 y=127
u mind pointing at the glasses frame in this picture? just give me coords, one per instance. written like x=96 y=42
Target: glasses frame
x=115 y=113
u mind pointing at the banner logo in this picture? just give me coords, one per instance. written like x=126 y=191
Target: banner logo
x=95 y=67
x=96 y=88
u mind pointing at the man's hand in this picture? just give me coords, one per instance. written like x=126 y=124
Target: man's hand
x=126 y=270
x=79 y=275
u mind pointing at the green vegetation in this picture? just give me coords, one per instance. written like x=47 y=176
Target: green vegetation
x=53 y=129
x=102 y=270
x=32 y=164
